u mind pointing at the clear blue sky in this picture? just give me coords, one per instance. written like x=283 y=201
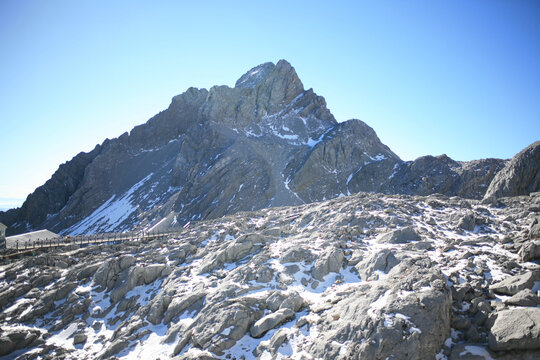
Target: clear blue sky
x=431 y=77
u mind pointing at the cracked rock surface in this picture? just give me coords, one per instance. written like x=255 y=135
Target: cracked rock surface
x=367 y=276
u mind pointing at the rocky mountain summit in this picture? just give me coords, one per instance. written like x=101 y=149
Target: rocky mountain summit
x=266 y=142
x=367 y=276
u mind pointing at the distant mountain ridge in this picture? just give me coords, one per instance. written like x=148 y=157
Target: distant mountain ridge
x=266 y=142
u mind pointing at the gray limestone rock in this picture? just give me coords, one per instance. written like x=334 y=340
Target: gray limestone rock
x=466 y=222
x=340 y=154
x=442 y=175
x=387 y=299
x=294 y=255
x=377 y=320
x=530 y=250
x=525 y=297
x=270 y=321
x=399 y=236
x=521 y=176
x=534 y=232
x=514 y=284
x=220 y=326
x=330 y=261
x=266 y=142
x=15 y=339
x=274 y=344
x=516 y=329
x=158 y=308
x=380 y=261
x=79 y=338
x=294 y=301
x=198 y=355
x=461 y=322
x=114 y=348
x=180 y=303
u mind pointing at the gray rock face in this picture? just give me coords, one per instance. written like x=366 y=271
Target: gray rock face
x=399 y=236
x=440 y=174
x=378 y=320
x=516 y=329
x=330 y=261
x=51 y=196
x=377 y=262
x=266 y=142
x=530 y=251
x=514 y=284
x=339 y=156
x=525 y=297
x=14 y=339
x=534 y=232
x=521 y=176
x=270 y=321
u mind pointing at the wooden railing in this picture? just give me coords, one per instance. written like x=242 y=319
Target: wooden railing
x=23 y=246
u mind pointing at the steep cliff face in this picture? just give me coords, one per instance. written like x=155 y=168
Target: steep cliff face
x=266 y=142
x=521 y=176
x=51 y=197
x=332 y=163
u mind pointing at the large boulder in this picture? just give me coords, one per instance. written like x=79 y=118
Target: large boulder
x=399 y=236
x=377 y=263
x=520 y=176
x=12 y=339
x=219 y=326
x=330 y=261
x=534 y=231
x=530 y=250
x=525 y=297
x=386 y=318
x=180 y=303
x=270 y=321
x=514 y=284
x=516 y=329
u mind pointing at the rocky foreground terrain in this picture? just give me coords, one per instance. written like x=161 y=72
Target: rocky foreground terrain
x=367 y=276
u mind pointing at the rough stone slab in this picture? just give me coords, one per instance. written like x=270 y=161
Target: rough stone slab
x=399 y=236
x=530 y=250
x=524 y=298
x=514 y=284
x=516 y=329
x=271 y=321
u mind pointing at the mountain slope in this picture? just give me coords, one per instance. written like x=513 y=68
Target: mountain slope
x=520 y=176
x=266 y=142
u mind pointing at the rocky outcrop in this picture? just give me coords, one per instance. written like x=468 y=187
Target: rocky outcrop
x=51 y=197
x=399 y=236
x=12 y=339
x=270 y=321
x=514 y=284
x=340 y=155
x=516 y=329
x=520 y=176
x=440 y=174
x=368 y=276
